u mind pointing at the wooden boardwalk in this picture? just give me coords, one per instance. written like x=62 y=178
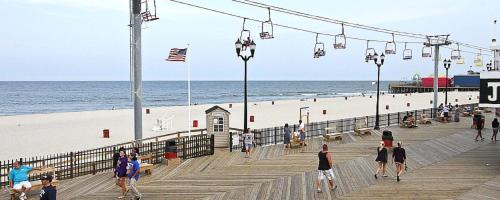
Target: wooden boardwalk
x=444 y=163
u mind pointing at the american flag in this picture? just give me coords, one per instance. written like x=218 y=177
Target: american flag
x=177 y=55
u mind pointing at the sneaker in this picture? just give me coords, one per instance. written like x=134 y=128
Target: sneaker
x=385 y=175
x=319 y=190
x=23 y=196
x=398 y=178
x=334 y=188
x=376 y=176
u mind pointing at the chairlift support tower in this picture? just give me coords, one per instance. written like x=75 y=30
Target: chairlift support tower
x=137 y=16
x=436 y=41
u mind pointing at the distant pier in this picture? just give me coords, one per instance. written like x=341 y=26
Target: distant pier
x=402 y=88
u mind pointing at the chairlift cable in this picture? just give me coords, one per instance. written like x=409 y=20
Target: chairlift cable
x=411 y=35
x=354 y=25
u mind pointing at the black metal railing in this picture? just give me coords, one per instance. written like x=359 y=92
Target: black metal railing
x=74 y=164
x=275 y=135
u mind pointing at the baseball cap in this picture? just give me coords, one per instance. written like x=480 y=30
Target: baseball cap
x=47 y=177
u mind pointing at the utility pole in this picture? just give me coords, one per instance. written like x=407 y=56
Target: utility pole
x=436 y=41
x=136 y=64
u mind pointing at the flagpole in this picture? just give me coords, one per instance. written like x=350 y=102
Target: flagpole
x=189 y=93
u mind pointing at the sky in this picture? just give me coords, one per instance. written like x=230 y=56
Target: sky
x=88 y=40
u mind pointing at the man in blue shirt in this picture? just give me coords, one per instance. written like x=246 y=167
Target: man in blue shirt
x=134 y=175
x=48 y=191
x=18 y=179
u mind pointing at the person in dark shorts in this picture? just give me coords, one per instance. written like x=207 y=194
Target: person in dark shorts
x=286 y=136
x=494 y=125
x=478 y=119
x=381 y=159
x=325 y=169
x=116 y=157
x=399 y=158
x=48 y=191
x=121 y=172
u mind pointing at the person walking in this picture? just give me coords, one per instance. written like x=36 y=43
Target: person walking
x=116 y=157
x=287 y=136
x=302 y=135
x=121 y=172
x=494 y=125
x=48 y=191
x=399 y=158
x=478 y=119
x=381 y=159
x=134 y=175
x=18 y=179
x=325 y=165
x=248 y=139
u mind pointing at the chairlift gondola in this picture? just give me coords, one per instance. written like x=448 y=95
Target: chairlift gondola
x=245 y=37
x=319 y=48
x=407 y=53
x=426 y=51
x=148 y=14
x=478 y=60
x=340 y=40
x=390 y=47
x=460 y=61
x=267 y=28
x=369 y=52
x=455 y=53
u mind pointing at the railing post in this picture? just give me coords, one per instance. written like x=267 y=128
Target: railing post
x=212 y=145
x=71 y=170
x=275 y=131
x=230 y=142
x=184 y=148
x=342 y=125
x=388 y=119
x=399 y=118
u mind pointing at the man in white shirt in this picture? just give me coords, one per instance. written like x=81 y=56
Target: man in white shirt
x=248 y=140
x=446 y=111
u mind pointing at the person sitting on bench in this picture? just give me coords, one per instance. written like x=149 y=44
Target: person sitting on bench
x=18 y=179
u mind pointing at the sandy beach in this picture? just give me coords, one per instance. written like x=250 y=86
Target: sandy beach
x=42 y=134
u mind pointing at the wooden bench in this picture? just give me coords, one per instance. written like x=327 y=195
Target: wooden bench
x=362 y=129
x=403 y=124
x=37 y=185
x=332 y=136
x=424 y=119
x=146 y=163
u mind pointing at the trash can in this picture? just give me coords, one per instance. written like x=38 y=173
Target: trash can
x=170 y=149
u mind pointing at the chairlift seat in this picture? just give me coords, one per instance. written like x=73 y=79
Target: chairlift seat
x=340 y=41
x=426 y=52
x=266 y=35
x=369 y=54
x=478 y=60
x=390 y=48
x=461 y=61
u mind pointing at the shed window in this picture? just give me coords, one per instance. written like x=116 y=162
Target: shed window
x=218 y=124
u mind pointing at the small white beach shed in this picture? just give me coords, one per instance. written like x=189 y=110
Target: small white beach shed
x=218 y=125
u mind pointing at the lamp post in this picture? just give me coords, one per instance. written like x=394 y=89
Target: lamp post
x=245 y=58
x=379 y=64
x=488 y=66
x=447 y=64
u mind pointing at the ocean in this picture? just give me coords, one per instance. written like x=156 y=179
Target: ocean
x=20 y=98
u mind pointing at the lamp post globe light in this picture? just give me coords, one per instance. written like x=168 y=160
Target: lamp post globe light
x=238 y=45
x=379 y=64
x=447 y=64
